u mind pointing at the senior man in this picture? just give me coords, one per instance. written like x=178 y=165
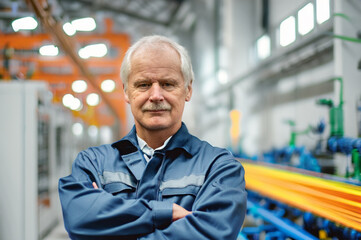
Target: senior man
x=159 y=181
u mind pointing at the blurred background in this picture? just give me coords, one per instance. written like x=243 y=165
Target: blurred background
x=277 y=82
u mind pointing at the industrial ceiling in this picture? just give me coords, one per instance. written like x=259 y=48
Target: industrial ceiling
x=118 y=24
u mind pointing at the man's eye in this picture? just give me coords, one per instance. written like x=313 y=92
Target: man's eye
x=168 y=85
x=143 y=85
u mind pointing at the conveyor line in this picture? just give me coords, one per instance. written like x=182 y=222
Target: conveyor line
x=285 y=227
x=337 y=201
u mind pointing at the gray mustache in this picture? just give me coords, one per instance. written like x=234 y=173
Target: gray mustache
x=157 y=107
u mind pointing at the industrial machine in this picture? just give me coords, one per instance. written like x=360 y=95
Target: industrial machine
x=301 y=200
x=33 y=155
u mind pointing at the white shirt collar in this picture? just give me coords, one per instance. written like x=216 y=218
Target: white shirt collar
x=148 y=151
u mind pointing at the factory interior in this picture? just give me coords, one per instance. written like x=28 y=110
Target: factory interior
x=277 y=83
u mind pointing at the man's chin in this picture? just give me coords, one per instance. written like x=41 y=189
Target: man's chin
x=158 y=127
x=155 y=126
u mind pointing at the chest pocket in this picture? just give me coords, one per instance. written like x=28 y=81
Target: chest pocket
x=182 y=191
x=118 y=183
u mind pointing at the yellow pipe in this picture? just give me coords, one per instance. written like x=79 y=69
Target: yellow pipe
x=337 y=201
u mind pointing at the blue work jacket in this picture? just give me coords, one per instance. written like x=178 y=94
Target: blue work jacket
x=135 y=198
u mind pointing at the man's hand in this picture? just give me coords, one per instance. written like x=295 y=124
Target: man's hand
x=179 y=212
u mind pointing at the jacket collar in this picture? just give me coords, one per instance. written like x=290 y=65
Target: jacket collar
x=181 y=140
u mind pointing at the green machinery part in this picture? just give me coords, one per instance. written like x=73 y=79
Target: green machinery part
x=335 y=113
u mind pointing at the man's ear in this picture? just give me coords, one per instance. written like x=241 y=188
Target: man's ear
x=189 y=91
x=126 y=97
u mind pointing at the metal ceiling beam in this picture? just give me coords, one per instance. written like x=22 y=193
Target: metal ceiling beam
x=53 y=27
x=105 y=7
x=174 y=12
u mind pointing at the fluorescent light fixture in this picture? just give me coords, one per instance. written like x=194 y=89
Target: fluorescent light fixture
x=79 y=86
x=69 y=29
x=84 y=24
x=77 y=129
x=49 y=50
x=94 y=50
x=306 y=19
x=264 y=47
x=93 y=131
x=92 y=99
x=108 y=85
x=76 y=105
x=72 y=102
x=25 y=23
x=106 y=134
x=67 y=100
x=287 y=31
x=322 y=10
x=222 y=76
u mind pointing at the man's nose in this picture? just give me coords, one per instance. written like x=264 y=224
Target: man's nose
x=156 y=93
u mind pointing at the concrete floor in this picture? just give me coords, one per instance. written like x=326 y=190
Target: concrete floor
x=58 y=233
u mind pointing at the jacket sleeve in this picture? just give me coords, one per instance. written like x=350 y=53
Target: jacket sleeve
x=96 y=214
x=219 y=208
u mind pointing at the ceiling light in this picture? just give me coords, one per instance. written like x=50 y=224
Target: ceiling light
x=322 y=10
x=76 y=105
x=84 y=24
x=25 y=23
x=94 y=50
x=72 y=102
x=49 y=50
x=79 y=86
x=67 y=100
x=263 y=47
x=93 y=99
x=108 y=85
x=287 y=31
x=222 y=76
x=69 y=29
x=93 y=131
x=306 y=19
x=106 y=134
x=77 y=129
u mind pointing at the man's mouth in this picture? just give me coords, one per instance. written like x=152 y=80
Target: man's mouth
x=156 y=111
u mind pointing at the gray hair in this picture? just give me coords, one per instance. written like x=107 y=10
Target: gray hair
x=186 y=65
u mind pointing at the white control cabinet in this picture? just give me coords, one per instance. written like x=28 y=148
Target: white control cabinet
x=27 y=204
